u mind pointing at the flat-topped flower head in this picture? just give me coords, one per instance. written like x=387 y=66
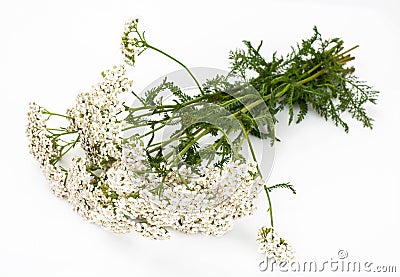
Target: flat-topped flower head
x=95 y=116
x=273 y=246
x=133 y=43
x=44 y=145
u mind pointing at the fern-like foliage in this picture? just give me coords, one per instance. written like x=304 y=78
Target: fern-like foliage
x=282 y=186
x=313 y=74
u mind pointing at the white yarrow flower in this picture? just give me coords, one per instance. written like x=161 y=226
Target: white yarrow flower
x=273 y=246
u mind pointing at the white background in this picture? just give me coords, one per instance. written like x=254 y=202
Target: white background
x=348 y=184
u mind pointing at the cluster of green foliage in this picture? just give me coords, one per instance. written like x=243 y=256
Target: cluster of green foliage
x=313 y=75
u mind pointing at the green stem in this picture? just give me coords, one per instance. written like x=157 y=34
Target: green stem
x=270 y=206
x=347 y=51
x=165 y=142
x=60 y=134
x=140 y=125
x=56 y=114
x=253 y=154
x=70 y=145
x=132 y=110
x=144 y=114
x=312 y=77
x=184 y=150
x=172 y=139
x=152 y=131
x=180 y=63
x=281 y=93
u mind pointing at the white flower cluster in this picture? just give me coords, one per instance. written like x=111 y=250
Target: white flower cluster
x=93 y=198
x=122 y=203
x=273 y=246
x=43 y=148
x=112 y=186
x=95 y=116
x=208 y=204
x=132 y=43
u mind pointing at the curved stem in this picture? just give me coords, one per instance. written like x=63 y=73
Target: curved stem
x=265 y=187
x=153 y=108
x=56 y=114
x=180 y=63
x=172 y=139
x=270 y=206
x=152 y=131
x=184 y=150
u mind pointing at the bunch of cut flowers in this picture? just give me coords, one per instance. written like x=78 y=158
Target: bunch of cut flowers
x=108 y=160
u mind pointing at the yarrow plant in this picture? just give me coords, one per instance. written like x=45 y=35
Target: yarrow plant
x=107 y=160
x=273 y=246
